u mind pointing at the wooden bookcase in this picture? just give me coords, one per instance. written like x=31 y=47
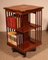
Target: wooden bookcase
x=18 y=25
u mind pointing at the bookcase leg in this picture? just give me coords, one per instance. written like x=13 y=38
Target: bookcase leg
x=24 y=55
x=14 y=50
x=34 y=49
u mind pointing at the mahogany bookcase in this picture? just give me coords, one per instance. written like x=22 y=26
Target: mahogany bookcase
x=18 y=21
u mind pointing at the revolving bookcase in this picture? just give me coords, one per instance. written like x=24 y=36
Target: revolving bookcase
x=19 y=29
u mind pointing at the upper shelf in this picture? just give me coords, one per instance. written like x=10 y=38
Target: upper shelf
x=27 y=28
x=23 y=8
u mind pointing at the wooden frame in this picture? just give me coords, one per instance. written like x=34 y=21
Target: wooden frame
x=23 y=26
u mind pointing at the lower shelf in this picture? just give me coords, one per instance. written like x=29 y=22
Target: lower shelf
x=27 y=46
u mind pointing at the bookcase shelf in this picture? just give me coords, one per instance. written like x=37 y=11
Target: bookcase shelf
x=19 y=28
x=27 y=46
x=27 y=27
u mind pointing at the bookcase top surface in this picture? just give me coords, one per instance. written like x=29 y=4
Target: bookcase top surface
x=23 y=8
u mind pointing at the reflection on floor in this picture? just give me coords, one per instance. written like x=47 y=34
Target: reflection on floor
x=5 y=49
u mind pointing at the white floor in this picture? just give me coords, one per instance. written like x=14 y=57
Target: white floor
x=40 y=56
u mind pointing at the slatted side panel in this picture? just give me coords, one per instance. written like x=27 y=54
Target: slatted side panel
x=13 y=23
x=38 y=21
